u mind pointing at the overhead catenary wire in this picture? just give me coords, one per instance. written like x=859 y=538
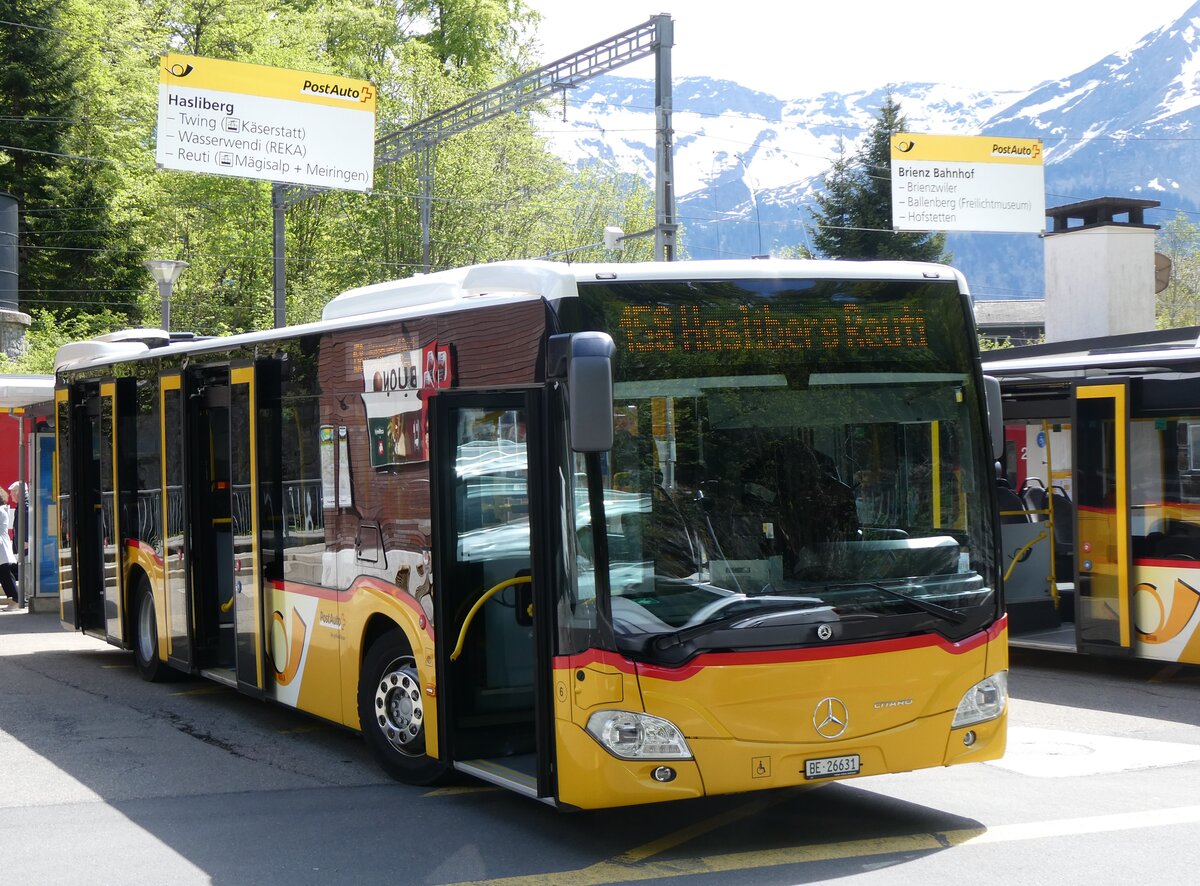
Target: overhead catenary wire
x=342 y=207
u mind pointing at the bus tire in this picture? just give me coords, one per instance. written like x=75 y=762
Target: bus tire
x=145 y=634
x=391 y=712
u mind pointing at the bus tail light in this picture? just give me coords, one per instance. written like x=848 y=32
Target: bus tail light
x=986 y=700
x=633 y=736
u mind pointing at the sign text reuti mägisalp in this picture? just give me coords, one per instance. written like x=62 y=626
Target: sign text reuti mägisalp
x=697 y=328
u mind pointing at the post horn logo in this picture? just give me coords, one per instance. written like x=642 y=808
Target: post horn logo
x=905 y=146
x=831 y=717
x=179 y=70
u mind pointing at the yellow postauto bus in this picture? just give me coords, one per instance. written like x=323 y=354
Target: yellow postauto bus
x=1101 y=536
x=600 y=534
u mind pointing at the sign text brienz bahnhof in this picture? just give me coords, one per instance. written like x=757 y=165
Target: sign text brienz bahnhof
x=967 y=183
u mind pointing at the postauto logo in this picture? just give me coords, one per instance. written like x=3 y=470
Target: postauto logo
x=349 y=93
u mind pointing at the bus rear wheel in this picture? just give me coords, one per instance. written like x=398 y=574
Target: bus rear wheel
x=145 y=641
x=391 y=712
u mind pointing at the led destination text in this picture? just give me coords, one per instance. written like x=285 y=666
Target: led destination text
x=694 y=328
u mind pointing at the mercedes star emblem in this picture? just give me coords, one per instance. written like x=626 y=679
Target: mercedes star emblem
x=831 y=717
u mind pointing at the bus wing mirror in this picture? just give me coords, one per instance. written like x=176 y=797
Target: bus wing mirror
x=588 y=372
x=995 y=414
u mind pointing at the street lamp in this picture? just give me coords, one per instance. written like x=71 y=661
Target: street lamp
x=165 y=272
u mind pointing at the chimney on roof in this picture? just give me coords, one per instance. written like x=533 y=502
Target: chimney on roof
x=1099 y=269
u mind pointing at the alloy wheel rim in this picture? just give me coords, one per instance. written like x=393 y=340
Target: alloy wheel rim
x=399 y=707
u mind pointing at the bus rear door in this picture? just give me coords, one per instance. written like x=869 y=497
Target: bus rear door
x=94 y=530
x=493 y=614
x=1103 y=617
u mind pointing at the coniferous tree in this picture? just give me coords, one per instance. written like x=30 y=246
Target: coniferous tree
x=37 y=101
x=854 y=217
x=60 y=161
x=836 y=234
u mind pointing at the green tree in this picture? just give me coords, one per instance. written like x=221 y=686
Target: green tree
x=1179 y=303
x=498 y=192
x=472 y=34
x=836 y=233
x=65 y=134
x=853 y=218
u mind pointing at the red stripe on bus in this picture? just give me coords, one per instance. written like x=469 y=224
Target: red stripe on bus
x=786 y=656
x=305 y=590
x=324 y=593
x=147 y=549
x=1166 y=563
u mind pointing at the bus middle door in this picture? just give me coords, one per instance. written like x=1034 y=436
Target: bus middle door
x=223 y=539
x=490 y=623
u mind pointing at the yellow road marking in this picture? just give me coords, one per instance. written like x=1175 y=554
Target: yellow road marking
x=1175 y=673
x=670 y=841
x=450 y=792
x=615 y=870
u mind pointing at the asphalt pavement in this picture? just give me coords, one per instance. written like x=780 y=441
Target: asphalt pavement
x=107 y=779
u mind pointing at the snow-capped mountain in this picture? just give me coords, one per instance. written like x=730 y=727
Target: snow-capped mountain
x=747 y=163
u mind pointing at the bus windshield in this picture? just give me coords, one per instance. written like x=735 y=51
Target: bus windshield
x=790 y=454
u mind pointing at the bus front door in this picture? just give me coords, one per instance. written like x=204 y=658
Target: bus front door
x=1103 y=617
x=491 y=622
x=222 y=547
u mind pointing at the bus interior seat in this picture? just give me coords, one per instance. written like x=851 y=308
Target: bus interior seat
x=1036 y=499
x=1009 y=501
x=1064 y=533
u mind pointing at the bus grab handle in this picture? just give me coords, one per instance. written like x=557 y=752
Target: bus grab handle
x=487 y=595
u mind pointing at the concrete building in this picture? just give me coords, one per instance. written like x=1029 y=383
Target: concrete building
x=1099 y=277
x=1099 y=269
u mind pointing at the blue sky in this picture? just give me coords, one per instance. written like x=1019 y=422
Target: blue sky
x=797 y=49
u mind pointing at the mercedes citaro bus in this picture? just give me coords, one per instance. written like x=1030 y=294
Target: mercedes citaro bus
x=600 y=534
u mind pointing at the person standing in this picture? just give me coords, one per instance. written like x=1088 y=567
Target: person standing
x=8 y=561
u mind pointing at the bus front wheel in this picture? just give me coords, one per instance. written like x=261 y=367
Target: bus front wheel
x=391 y=712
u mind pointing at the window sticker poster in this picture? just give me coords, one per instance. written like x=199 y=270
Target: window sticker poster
x=327 y=501
x=396 y=388
x=345 y=490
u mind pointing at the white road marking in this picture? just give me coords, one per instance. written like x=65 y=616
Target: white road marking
x=1054 y=753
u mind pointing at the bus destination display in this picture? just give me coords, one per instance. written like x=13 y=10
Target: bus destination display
x=704 y=328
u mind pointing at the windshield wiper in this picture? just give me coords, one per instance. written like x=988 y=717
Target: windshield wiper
x=663 y=642
x=951 y=615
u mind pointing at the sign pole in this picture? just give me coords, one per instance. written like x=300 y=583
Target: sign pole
x=277 y=252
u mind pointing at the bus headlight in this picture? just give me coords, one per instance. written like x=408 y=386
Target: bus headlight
x=984 y=701
x=632 y=736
